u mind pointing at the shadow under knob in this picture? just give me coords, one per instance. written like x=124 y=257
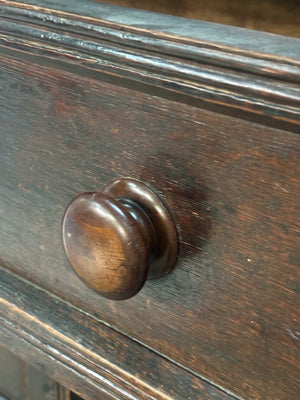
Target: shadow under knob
x=117 y=239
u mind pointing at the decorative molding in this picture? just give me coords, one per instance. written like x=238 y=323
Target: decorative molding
x=87 y=355
x=236 y=78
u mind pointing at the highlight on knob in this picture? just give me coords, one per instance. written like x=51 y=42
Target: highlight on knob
x=118 y=238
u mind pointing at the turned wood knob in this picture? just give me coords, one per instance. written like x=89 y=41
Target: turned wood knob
x=117 y=239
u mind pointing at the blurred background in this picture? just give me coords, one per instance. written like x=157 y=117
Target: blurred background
x=275 y=16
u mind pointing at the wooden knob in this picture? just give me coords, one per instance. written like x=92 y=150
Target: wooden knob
x=117 y=239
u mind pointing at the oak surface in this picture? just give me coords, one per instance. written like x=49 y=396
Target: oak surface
x=208 y=116
x=85 y=355
x=248 y=74
x=230 y=310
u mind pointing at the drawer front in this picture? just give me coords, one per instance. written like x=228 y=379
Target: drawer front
x=230 y=309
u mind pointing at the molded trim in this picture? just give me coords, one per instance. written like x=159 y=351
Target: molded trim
x=232 y=77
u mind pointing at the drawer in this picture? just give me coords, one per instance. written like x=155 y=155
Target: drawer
x=229 y=311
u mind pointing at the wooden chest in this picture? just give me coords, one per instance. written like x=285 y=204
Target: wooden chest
x=207 y=115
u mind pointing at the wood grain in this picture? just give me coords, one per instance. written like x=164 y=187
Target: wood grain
x=221 y=68
x=230 y=310
x=86 y=356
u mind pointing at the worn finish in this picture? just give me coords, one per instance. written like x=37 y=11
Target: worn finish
x=234 y=290
x=248 y=74
x=114 y=240
x=87 y=356
x=83 y=108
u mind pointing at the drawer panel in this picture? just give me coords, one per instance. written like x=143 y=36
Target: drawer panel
x=230 y=309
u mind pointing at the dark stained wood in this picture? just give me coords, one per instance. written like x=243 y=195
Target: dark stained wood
x=217 y=67
x=93 y=16
x=115 y=239
x=90 y=93
x=87 y=356
x=230 y=309
x=163 y=241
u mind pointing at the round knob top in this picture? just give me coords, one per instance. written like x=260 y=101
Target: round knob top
x=114 y=240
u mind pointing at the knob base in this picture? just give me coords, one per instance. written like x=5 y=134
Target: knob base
x=164 y=255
